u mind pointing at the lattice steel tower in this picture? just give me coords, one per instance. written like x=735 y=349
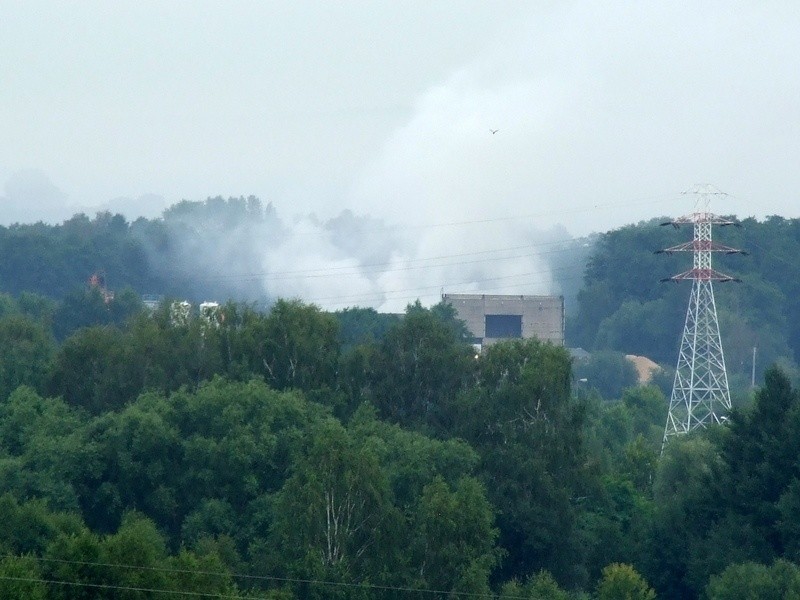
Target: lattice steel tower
x=700 y=394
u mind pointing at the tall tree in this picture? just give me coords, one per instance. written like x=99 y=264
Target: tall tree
x=332 y=512
x=455 y=544
x=756 y=581
x=419 y=369
x=96 y=370
x=301 y=347
x=521 y=419
x=26 y=351
x=622 y=581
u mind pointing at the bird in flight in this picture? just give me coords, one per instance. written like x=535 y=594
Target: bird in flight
x=494 y=131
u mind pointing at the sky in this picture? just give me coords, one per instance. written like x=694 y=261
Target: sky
x=604 y=113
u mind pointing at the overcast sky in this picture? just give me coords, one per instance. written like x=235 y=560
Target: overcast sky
x=605 y=111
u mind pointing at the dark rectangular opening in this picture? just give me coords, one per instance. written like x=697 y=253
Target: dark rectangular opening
x=503 y=326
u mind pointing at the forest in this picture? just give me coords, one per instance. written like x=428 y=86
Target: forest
x=623 y=306
x=287 y=452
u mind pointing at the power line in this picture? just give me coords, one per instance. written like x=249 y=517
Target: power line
x=418 y=264
x=401 y=294
x=270 y=578
x=578 y=210
x=107 y=586
x=523 y=217
x=324 y=271
x=408 y=268
x=391 y=294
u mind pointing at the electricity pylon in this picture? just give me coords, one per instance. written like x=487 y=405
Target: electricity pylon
x=700 y=394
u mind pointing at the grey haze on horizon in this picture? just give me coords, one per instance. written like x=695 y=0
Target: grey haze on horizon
x=605 y=112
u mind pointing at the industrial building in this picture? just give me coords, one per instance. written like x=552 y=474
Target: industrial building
x=491 y=318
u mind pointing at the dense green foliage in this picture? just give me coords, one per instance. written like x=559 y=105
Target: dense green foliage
x=296 y=453
x=257 y=453
x=54 y=260
x=623 y=307
x=243 y=442
x=187 y=253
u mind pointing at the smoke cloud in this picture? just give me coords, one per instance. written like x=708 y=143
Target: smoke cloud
x=238 y=249
x=465 y=173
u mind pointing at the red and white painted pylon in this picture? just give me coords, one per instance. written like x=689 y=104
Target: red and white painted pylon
x=700 y=394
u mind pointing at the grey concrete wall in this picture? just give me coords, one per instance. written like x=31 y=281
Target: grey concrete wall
x=542 y=316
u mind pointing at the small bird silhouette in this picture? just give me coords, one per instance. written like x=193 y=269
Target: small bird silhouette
x=494 y=131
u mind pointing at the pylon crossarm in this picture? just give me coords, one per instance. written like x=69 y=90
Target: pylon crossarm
x=702 y=275
x=701 y=217
x=701 y=246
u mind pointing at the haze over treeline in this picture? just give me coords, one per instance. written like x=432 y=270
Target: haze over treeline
x=242 y=249
x=600 y=108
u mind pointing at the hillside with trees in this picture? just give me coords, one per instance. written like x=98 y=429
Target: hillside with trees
x=295 y=453
x=624 y=307
x=196 y=250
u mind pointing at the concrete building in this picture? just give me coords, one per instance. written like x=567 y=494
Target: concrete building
x=491 y=318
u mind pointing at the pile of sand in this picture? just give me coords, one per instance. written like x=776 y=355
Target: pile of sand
x=644 y=366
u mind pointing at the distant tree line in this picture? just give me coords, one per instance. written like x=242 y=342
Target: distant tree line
x=214 y=249
x=623 y=307
x=196 y=250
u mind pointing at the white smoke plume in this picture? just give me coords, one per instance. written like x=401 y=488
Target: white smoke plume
x=603 y=113
x=361 y=261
